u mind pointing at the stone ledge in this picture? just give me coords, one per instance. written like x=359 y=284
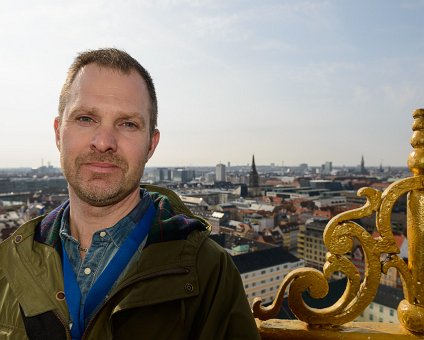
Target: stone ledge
x=295 y=329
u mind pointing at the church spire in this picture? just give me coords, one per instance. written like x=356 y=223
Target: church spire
x=363 y=170
x=253 y=176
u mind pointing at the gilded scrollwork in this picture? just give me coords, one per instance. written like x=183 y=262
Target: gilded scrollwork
x=339 y=236
x=381 y=254
x=394 y=261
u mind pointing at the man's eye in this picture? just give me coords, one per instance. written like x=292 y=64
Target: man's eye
x=84 y=120
x=129 y=125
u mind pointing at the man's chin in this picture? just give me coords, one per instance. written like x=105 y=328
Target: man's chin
x=101 y=193
x=99 y=200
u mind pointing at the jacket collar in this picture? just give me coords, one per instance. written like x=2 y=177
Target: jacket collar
x=173 y=221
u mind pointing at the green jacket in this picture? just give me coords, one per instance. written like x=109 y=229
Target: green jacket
x=179 y=288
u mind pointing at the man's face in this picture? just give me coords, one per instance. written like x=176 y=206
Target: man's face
x=104 y=135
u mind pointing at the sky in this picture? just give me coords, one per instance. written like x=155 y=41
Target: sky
x=288 y=81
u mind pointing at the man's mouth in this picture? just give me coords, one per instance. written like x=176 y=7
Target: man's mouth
x=102 y=167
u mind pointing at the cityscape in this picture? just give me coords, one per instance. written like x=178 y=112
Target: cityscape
x=270 y=218
x=273 y=115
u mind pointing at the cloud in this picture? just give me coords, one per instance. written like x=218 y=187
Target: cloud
x=275 y=45
x=225 y=28
x=400 y=94
x=172 y=4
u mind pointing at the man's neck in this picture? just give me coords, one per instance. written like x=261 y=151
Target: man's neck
x=86 y=219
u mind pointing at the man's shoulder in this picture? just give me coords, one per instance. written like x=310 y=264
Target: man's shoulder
x=208 y=254
x=166 y=199
x=23 y=232
x=22 y=235
x=173 y=221
x=209 y=245
x=169 y=201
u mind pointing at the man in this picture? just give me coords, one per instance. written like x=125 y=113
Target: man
x=116 y=260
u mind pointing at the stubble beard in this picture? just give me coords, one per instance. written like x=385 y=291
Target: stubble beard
x=100 y=189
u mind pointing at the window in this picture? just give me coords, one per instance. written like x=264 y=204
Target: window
x=263 y=291
x=381 y=309
x=371 y=305
x=263 y=272
x=246 y=286
x=380 y=319
x=392 y=312
x=371 y=317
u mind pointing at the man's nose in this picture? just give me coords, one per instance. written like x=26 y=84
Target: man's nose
x=104 y=139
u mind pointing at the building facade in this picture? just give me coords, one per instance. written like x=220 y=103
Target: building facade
x=220 y=175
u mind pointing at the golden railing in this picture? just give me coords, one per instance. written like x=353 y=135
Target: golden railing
x=335 y=322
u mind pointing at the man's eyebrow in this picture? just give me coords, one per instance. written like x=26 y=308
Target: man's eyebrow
x=82 y=109
x=125 y=115
x=93 y=111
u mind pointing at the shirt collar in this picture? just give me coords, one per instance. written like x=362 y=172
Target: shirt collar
x=119 y=231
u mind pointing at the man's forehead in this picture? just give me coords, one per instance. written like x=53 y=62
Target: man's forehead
x=95 y=69
x=100 y=78
x=95 y=81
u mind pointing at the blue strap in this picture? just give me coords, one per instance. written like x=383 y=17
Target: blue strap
x=72 y=294
x=107 y=278
x=111 y=273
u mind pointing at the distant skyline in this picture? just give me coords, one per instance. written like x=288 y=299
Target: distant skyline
x=289 y=81
x=234 y=166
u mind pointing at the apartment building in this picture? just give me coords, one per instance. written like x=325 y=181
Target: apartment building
x=311 y=246
x=263 y=271
x=384 y=306
x=262 y=266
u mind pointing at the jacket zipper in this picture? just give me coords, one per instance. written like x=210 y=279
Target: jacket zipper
x=67 y=331
x=173 y=271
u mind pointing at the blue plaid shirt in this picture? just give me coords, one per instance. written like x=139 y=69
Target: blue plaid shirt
x=104 y=245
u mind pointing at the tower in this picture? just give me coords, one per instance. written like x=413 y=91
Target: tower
x=253 y=175
x=220 y=173
x=363 y=170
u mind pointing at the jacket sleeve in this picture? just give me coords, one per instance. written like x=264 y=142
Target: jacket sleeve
x=224 y=312
x=11 y=324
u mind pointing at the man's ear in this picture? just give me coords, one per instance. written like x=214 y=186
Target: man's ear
x=154 y=141
x=56 y=125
